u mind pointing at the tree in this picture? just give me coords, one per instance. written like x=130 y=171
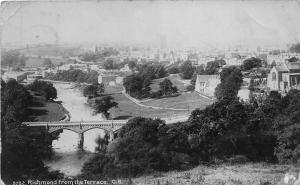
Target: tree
x=200 y=70
x=273 y=64
x=167 y=88
x=214 y=66
x=231 y=81
x=251 y=63
x=110 y=64
x=94 y=90
x=293 y=59
x=132 y=64
x=187 y=70
x=103 y=104
x=133 y=85
x=173 y=70
x=48 y=63
x=45 y=88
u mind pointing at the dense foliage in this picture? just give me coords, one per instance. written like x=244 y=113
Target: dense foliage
x=75 y=76
x=103 y=104
x=231 y=81
x=174 y=70
x=293 y=59
x=46 y=89
x=94 y=90
x=187 y=70
x=22 y=149
x=213 y=67
x=110 y=64
x=288 y=125
x=138 y=84
x=251 y=63
x=143 y=145
x=167 y=88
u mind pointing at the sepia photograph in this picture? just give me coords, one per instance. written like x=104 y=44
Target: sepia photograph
x=152 y=92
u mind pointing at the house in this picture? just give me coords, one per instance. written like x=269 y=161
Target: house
x=34 y=76
x=284 y=77
x=17 y=75
x=206 y=84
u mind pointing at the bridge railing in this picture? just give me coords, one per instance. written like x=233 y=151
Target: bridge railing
x=76 y=123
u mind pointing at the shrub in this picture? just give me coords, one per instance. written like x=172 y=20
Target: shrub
x=190 y=88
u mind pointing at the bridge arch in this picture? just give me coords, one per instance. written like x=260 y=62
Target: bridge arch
x=52 y=130
x=92 y=128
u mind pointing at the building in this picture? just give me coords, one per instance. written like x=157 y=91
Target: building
x=125 y=68
x=107 y=79
x=17 y=75
x=284 y=77
x=206 y=84
x=35 y=76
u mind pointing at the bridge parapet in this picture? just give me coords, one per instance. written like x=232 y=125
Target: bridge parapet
x=79 y=126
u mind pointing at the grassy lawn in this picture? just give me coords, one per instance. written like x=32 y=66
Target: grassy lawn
x=41 y=110
x=244 y=174
x=127 y=108
x=113 y=89
x=187 y=100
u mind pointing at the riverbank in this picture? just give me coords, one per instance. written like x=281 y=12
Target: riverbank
x=42 y=110
x=239 y=174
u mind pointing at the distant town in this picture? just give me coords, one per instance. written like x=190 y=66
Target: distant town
x=270 y=69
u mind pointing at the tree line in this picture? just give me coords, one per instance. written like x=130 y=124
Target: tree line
x=74 y=75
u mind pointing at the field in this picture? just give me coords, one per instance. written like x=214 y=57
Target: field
x=225 y=174
x=188 y=100
x=45 y=111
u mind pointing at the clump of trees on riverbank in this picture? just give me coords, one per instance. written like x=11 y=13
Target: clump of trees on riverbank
x=23 y=149
x=264 y=129
x=46 y=89
x=74 y=75
x=138 y=84
x=100 y=102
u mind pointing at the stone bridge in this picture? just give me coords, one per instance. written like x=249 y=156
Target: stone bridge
x=80 y=127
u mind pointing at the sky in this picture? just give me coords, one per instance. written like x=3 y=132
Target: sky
x=175 y=24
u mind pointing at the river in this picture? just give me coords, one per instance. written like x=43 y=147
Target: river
x=67 y=159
